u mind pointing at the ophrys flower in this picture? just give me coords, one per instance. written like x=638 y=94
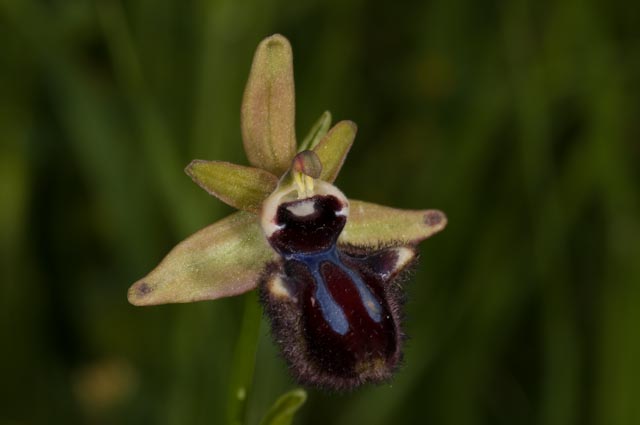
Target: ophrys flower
x=327 y=267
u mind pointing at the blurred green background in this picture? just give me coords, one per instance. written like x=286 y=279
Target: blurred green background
x=518 y=119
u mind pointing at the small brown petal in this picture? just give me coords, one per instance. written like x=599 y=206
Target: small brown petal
x=307 y=162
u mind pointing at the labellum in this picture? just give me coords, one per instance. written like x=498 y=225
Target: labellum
x=334 y=309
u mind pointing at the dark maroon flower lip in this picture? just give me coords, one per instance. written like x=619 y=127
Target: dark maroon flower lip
x=330 y=308
x=332 y=334
x=308 y=225
x=303 y=198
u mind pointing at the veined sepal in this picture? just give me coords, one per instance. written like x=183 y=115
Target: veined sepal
x=241 y=187
x=268 y=107
x=373 y=225
x=224 y=259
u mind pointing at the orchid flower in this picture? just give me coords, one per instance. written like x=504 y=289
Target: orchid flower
x=328 y=268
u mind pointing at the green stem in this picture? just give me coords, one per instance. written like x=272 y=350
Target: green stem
x=244 y=361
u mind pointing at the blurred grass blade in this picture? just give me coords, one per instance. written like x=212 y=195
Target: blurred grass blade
x=244 y=361
x=241 y=187
x=334 y=147
x=283 y=410
x=268 y=107
x=371 y=224
x=223 y=259
x=317 y=132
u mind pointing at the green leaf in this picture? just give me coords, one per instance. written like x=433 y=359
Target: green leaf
x=375 y=225
x=223 y=259
x=241 y=187
x=283 y=410
x=317 y=132
x=268 y=107
x=334 y=147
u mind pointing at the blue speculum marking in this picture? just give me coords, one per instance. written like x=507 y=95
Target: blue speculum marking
x=331 y=311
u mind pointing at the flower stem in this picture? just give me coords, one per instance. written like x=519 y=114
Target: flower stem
x=244 y=361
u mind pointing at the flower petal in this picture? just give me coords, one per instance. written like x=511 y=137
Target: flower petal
x=226 y=258
x=334 y=147
x=375 y=225
x=268 y=107
x=241 y=187
x=317 y=132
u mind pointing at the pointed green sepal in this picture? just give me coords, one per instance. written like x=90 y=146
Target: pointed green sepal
x=334 y=147
x=268 y=107
x=317 y=132
x=373 y=225
x=285 y=407
x=241 y=187
x=224 y=259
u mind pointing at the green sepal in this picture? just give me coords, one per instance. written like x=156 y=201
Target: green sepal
x=241 y=187
x=268 y=107
x=285 y=407
x=224 y=259
x=334 y=147
x=317 y=132
x=373 y=225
